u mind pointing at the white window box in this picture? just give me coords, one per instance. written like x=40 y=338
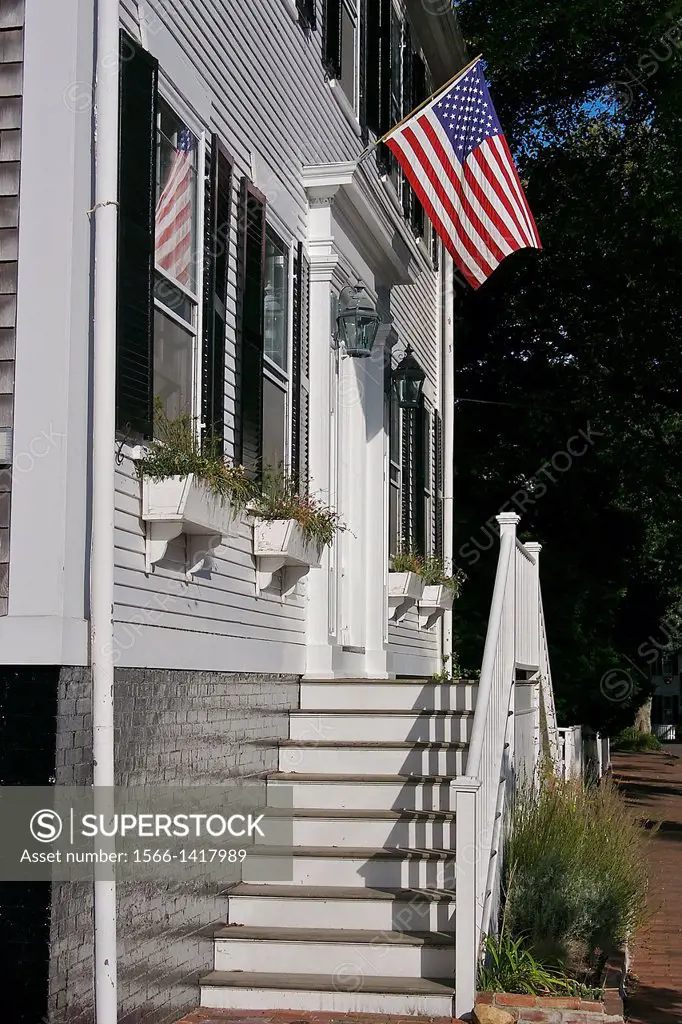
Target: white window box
x=183 y=504
x=282 y=544
x=435 y=600
x=404 y=590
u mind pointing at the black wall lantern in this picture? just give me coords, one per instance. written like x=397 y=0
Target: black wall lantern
x=357 y=322
x=408 y=381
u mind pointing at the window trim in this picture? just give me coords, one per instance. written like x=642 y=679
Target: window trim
x=280 y=376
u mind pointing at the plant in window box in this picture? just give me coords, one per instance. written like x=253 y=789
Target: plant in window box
x=405 y=584
x=440 y=590
x=290 y=531
x=188 y=488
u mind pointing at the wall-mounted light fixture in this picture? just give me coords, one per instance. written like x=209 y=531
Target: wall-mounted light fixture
x=357 y=321
x=408 y=381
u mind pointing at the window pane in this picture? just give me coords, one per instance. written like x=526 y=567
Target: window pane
x=173 y=298
x=176 y=198
x=173 y=350
x=276 y=300
x=348 y=70
x=274 y=424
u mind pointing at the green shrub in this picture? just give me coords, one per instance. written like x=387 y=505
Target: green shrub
x=509 y=966
x=576 y=877
x=631 y=739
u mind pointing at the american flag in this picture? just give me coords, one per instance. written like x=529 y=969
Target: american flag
x=174 y=213
x=458 y=162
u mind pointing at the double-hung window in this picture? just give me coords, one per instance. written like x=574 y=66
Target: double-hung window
x=174 y=213
x=276 y=350
x=176 y=285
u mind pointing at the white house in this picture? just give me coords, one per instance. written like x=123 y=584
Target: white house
x=244 y=220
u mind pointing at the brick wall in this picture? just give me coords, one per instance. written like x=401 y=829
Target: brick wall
x=171 y=728
x=555 y=1010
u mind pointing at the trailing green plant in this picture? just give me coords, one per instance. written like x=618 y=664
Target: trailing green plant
x=631 y=739
x=282 y=499
x=434 y=573
x=510 y=966
x=176 y=451
x=575 y=869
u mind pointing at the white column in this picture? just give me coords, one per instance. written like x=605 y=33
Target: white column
x=321 y=439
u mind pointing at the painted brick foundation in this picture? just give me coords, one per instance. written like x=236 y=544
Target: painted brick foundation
x=556 y=1010
x=172 y=728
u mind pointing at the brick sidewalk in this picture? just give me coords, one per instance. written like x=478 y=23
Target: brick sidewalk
x=653 y=785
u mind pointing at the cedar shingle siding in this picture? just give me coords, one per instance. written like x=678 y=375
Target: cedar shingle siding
x=11 y=53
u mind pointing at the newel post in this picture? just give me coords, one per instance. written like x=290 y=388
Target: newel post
x=468 y=851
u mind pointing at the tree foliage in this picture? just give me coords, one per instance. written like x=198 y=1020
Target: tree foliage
x=587 y=332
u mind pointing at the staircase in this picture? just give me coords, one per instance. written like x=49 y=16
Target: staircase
x=366 y=923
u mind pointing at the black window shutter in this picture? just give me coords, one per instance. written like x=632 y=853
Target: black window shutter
x=438 y=484
x=419 y=95
x=307 y=13
x=300 y=384
x=365 y=71
x=421 y=445
x=250 y=313
x=331 y=37
x=217 y=209
x=407 y=479
x=407 y=107
x=137 y=203
x=381 y=113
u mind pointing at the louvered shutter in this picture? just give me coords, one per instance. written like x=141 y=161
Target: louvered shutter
x=136 y=209
x=365 y=71
x=406 y=480
x=217 y=210
x=381 y=112
x=438 y=484
x=307 y=13
x=331 y=37
x=300 y=384
x=407 y=105
x=422 y=443
x=419 y=94
x=250 y=313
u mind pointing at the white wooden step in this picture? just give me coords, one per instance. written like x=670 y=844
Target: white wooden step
x=342 y=992
x=380 y=758
x=388 y=694
x=350 y=866
x=327 y=951
x=422 y=830
x=395 y=726
x=395 y=792
x=291 y=906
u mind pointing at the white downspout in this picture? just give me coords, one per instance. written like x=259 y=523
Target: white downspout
x=448 y=416
x=105 y=216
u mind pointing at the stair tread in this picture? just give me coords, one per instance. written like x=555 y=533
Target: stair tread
x=326 y=983
x=361 y=815
x=345 y=936
x=331 y=892
x=375 y=744
x=352 y=852
x=319 y=777
x=407 y=680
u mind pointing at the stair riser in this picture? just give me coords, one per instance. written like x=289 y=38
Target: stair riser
x=392 y=873
x=393 y=728
x=422 y=796
x=366 y=915
x=387 y=696
x=374 y=761
x=352 y=1000
x=419 y=835
x=371 y=960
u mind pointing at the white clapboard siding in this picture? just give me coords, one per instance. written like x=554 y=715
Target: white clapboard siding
x=411 y=649
x=275 y=112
